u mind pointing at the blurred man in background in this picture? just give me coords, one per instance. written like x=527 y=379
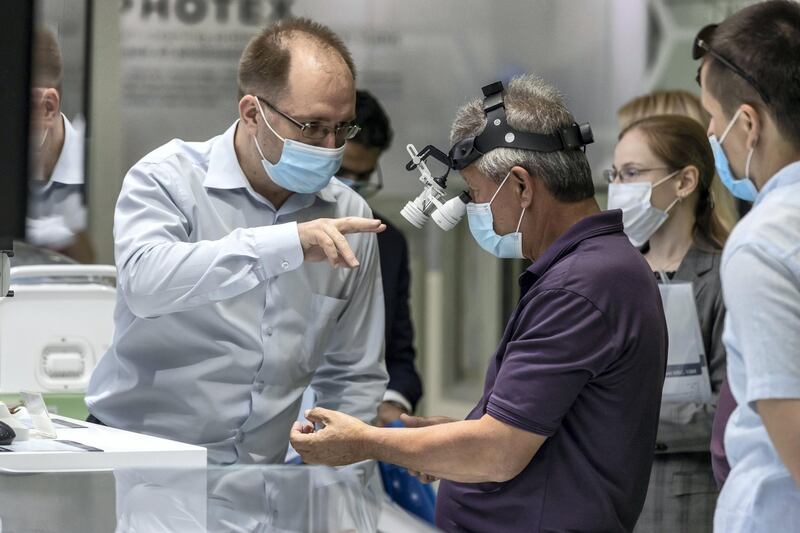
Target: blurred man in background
x=361 y=170
x=56 y=211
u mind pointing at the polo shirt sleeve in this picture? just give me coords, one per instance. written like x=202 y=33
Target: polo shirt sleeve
x=762 y=296
x=561 y=340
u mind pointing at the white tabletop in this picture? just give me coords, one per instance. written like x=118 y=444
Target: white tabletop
x=121 y=449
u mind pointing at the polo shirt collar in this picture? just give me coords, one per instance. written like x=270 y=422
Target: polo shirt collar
x=224 y=171
x=603 y=223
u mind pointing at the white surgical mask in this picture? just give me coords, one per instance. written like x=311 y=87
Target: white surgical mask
x=640 y=218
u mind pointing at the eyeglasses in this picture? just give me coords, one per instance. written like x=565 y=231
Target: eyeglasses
x=361 y=181
x=701 y=47
x=317 y=130
x=628 y=174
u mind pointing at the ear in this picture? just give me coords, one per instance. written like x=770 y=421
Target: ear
x=523 y=185
x=249 y=113
x=753 y=125
x=688 y=180
x=50 y=106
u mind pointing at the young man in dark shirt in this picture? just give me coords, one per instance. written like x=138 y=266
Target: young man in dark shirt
x=361 y=170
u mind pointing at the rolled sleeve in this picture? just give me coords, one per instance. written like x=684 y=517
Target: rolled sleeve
x=560 y=342
x=278 y=247
x=763 y=305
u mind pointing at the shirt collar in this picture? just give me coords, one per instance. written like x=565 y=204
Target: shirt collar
x=604 y=223
x=224 y=171
x=69 y=166
x=786 y=176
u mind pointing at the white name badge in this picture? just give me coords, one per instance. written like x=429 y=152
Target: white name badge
x=687 y=378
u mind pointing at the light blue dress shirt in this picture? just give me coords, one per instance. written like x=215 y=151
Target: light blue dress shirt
x=219 y=324
x=761 y=286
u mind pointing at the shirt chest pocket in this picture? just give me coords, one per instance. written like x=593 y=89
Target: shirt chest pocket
x=325 y=312
x=305 y=324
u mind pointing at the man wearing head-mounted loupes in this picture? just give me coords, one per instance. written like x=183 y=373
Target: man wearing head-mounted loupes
x=563 y=436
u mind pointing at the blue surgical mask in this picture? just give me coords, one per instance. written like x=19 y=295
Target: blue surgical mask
x=481 y=225
x=744 y=188
x=302 y=168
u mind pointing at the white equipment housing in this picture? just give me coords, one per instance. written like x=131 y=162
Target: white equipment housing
x=56 y=327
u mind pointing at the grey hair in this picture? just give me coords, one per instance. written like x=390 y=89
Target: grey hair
x=533 y=106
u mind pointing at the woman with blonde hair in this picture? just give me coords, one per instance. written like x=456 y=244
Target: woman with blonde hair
x=676 y=102
x=661 y=179
x=680 y=102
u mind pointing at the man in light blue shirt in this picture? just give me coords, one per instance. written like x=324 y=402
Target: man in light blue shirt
x=750 y=87
x=225 y=312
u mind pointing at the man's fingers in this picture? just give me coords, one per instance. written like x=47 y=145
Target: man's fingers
x=358 y=225
x=342 y=247
x=318 y=414
x=327 y=245
x=298 y=438
x=412 y=421
x=417 y=421
x=424 y=478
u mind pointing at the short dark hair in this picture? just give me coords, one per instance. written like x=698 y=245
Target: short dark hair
x=376 y=129
x=764 y=41
x=48 y=67
x=265 y=61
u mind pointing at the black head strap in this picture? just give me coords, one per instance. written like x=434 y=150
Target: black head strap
x=499 y=134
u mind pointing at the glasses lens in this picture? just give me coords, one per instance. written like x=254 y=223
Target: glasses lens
x=315 y=130
x=347 y=131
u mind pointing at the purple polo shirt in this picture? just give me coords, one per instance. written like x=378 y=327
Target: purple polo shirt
x=582 y=363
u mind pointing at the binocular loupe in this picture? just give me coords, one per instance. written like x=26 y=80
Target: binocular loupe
x=497 y=133
x=429 y=203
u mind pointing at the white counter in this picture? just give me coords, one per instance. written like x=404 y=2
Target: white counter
x=121 y=449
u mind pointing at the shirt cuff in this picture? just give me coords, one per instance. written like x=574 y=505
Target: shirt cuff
x=278 y=247
x=394 y=396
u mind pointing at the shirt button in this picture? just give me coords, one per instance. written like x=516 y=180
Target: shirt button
x=268 y=331
x=285 y=265
x=258 y=386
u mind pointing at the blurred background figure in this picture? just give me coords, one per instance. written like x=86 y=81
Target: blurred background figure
x=361 y=170
x=662 y=179
x=57 y=216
